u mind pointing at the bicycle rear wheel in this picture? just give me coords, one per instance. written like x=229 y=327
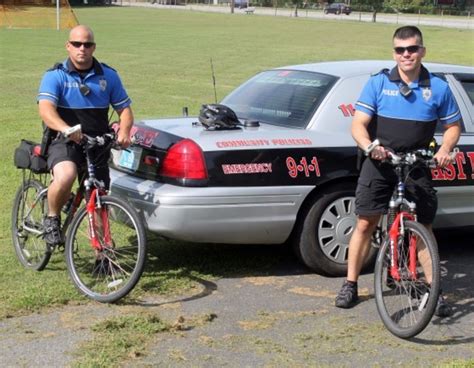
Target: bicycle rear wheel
x=407 y=305
x=111 y=273
x=29 y=209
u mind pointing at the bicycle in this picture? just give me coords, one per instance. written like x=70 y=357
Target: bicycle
x=407 y=270
x=104 y=240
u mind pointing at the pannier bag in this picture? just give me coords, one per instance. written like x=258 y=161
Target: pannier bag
x=27 y=157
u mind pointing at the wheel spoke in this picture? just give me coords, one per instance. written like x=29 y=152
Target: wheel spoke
x=110 y=273
x=407 y=305
x=27 y=225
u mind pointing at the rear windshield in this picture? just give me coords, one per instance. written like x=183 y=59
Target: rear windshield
x=280 y=97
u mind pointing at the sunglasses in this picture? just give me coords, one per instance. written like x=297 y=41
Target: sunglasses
x=78 y=44
x=411 y=49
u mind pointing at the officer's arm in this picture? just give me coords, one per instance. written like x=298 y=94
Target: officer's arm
x=360 y=123
x=360 y=133
x=50 y=116
x=126 y=122
x=450 y=139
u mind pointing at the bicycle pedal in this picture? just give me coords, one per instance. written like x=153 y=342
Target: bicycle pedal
x=50 y=248
x=21 y=235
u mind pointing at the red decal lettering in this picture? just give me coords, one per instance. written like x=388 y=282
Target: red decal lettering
x=247 y=168
x=471 y=160
x=449 y=172
x=303 y=167
x=291 y=165
x=460 y=161
x=315 y=163
x=437 y=174
x=347 y=110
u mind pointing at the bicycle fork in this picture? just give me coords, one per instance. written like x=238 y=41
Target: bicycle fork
x=397 y=230
x=93 y=204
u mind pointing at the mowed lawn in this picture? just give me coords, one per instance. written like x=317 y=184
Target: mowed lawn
x=164 y=57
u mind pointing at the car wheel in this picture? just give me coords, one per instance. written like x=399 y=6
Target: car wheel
x=338 y=12
x=322 y=239
x=325 y=12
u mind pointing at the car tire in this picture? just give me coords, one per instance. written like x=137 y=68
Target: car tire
x=338 y=12
x=325 y=228
x=325 y=12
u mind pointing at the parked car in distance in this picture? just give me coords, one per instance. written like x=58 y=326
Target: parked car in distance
x=338 y=8
x=288 y=173
x=241 y=4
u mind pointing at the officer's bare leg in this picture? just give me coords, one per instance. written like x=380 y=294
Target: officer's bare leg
x=359 y=245
x=64 y=174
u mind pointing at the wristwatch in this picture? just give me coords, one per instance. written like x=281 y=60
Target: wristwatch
x=371 y=147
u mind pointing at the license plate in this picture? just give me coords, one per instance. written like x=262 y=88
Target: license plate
x=130 y=158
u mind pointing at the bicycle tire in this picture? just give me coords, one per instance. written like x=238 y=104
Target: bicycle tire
x=27 y=226
x=110 y=274
x=407 y=306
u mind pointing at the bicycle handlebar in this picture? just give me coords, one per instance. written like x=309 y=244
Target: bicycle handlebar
x=410 y=158
x=102 y=140
x=424 y=156
x=90 y=142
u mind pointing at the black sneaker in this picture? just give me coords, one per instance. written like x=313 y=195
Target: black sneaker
x=443 y=308
x=52 y=230
x=347 y=296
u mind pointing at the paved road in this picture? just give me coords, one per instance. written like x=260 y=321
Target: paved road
x=462 y=22
x=284 y=319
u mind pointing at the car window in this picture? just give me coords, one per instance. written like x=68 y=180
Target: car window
x=468 y=86
x=467 y=83
x=280 y=97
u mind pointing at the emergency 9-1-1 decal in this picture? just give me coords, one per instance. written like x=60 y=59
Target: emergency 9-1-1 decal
x=303 y=166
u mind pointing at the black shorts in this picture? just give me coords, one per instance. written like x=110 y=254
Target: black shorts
x=62 y=150
x=377 y=182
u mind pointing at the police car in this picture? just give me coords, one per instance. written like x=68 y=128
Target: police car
x=287 y=172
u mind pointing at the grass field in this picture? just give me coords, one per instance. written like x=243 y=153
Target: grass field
x=163 y=57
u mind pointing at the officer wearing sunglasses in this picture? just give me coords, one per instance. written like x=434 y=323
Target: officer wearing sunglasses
x=400 y=108
x=78 y=90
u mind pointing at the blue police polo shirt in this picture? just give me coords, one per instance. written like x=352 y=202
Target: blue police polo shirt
x=84 y=99
x=407 y=122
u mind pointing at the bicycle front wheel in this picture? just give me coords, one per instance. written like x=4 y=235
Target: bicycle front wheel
x=29 y=209
x=407 y=302
x=109 y=274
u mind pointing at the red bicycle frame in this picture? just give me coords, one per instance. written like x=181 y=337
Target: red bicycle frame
x=394 y=233
x=104 y=216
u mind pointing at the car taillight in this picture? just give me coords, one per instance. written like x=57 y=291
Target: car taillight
x=184 y=160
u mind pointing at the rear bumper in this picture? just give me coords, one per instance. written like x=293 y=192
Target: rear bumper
x=240 y=215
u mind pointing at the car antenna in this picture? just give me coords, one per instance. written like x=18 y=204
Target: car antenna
x=213 y=81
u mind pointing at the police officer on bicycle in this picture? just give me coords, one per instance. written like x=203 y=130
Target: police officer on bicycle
x=78 y=91
x=400 y=108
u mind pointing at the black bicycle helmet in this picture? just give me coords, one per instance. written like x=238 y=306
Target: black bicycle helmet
x=216 y=116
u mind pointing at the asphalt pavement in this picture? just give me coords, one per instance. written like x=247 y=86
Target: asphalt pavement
x=286 y=318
